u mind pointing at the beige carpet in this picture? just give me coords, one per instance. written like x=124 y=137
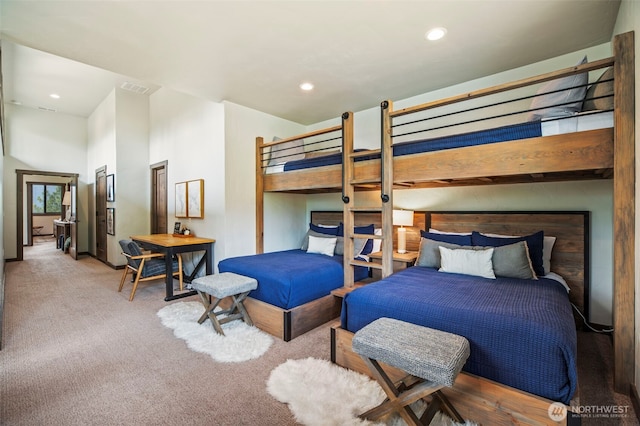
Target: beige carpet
x=77 y=352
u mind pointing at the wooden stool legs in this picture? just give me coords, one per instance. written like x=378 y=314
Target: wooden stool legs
x=236 y=311
x=407 y=392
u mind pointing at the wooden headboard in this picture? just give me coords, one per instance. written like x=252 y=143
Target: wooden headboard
x=570 y=257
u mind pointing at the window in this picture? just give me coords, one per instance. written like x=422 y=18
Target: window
x=47 y=199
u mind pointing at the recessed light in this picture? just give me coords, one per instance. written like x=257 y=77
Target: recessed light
x=435 y=33
x=54 y=96
x=306 y=86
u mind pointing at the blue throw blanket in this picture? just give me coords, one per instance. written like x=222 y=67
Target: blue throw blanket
x=292 y=277
x=521 y=332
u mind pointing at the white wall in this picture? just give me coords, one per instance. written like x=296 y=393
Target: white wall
x=43 y=141
x=188 y=132
x=284 y=213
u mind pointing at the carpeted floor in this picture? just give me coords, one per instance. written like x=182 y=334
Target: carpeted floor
x=77 y=352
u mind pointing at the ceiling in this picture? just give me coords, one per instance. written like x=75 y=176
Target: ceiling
x=256 y=53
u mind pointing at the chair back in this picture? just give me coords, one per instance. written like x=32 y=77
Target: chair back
x=130 y=248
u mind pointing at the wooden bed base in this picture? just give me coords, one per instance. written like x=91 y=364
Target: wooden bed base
x=288 y=324
x=478 y=399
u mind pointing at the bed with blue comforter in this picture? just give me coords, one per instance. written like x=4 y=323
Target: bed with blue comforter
x=290 y=278
x=521 y=332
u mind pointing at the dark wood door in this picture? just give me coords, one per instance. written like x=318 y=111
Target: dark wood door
x=159 y=198
x=73 y=247
x=101 y=214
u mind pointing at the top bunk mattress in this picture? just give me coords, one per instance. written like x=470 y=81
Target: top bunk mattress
x=531 y=129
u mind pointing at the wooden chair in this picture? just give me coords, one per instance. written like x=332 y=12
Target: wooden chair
x=146 y=266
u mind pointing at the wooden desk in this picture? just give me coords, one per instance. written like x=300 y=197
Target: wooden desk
x=170 y=245
x=61 y=227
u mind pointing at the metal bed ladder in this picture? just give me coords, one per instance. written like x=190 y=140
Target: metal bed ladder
x=350 y=181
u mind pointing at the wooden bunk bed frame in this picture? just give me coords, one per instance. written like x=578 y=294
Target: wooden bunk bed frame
x=476 y=398
x=595 y=154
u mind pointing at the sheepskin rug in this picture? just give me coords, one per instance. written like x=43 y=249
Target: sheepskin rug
x=320 y=393
x=241 y=342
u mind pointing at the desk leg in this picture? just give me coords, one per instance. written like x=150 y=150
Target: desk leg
x=209 y=255
x=168 y=261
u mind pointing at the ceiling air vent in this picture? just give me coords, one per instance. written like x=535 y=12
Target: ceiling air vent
x=135 y=88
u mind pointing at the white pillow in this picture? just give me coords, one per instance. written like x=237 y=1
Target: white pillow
x=569 y=91
x=435 y=231
x=469 y=262
x=377 y=243
x=324 y=246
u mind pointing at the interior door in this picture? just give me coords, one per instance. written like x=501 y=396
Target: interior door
x=159 y=198
x=101 y=214
x=73 y=248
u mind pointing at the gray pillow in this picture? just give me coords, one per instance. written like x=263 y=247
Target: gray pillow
x=511 y=261
x=305 y=241
x=598 y=89
x=568 y=90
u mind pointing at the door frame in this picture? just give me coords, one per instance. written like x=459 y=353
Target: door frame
x=153 y=212
x=20 y=174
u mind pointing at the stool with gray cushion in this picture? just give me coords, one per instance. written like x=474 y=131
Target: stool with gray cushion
x=213 y=288
x=431 y=358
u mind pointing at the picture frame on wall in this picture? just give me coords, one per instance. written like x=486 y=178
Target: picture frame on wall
x=111 y=221
x=111 y=190
x=195 y=196
x=181 y=199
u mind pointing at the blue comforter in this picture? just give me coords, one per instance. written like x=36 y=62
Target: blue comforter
x=500 y=134
x=521 y=332
x=292 y=277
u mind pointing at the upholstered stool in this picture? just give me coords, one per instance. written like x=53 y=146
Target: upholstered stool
x=431 y=358
x=213 y=288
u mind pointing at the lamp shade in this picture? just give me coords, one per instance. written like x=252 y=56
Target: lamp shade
x=66 y=200
x=403 y=217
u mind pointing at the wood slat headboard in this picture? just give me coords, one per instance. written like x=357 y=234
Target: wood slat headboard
x=570 y=257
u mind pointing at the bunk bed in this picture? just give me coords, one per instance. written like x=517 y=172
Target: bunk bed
x=601 y=152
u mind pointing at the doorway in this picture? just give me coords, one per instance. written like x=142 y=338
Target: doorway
x=101 y=214
x=159 y=198
x=20 y=206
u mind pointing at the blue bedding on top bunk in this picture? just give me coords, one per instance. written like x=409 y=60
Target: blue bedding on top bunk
x=526 y=130
x=521 y=332
x=292 y=277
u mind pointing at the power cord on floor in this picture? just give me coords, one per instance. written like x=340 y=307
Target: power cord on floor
x=608 y=330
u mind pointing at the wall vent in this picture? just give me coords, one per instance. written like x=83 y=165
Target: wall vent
x=133 y=87
x=46 y=109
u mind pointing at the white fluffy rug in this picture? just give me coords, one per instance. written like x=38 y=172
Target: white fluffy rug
x=241 y=342
x=320 y=393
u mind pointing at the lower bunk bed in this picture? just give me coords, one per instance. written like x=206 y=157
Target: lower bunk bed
x=522 y=332
x=294 y=286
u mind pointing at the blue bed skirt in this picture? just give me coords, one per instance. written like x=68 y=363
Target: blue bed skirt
x=291 y=278
x=521 y=332
x=526 y=130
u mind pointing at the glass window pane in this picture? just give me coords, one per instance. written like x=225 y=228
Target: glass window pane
x=38 y=198
x=53 y=198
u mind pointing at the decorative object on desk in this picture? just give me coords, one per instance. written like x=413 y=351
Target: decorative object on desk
x=181 y=199
x=195 y=196
x=111 y=188
x=319 y=392
x=66 y=202
x=177 y=227
x=402 y=218
x=241 y=342
x=111 y=221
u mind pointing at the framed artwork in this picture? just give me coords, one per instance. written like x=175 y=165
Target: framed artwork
x=195 y=196
x=111 y=221
x=181 y=199
x=111 y=189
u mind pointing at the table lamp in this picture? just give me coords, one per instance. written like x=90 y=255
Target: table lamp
x=66 y=202
x=402 y=218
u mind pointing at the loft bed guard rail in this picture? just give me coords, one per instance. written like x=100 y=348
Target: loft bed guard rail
x=275 y=157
